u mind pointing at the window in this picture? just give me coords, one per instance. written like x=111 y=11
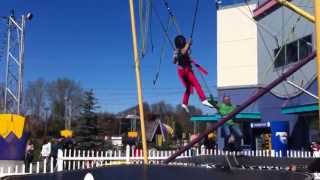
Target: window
x=292 y=52
x=305 y=46
x=280 y=60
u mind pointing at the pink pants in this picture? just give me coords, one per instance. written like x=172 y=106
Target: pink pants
x=189 y=80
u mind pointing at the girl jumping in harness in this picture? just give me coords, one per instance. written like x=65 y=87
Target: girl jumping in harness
x=185 y=72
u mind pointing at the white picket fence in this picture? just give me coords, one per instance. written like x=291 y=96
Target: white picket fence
x=44 y=166
x=77 y=159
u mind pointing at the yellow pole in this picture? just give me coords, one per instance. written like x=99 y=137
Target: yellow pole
x=317 y=34
x=298 y=10
x=137 y=65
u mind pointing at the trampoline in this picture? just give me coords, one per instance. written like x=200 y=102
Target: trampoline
x=166 y=172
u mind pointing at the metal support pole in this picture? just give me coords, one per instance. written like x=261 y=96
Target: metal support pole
x=7 y=67
x=137 y=67
x=317 y=34
x=303 y=90
x=21 y=67
x=297 y=10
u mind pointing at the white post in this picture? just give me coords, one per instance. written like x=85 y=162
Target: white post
x=45 y=165
x=128 y=154
x=51 y=164
x=309 y=154
x=65 y=153
x=16 y=170
x=202 y=150
x=119 y=153
x=60 y=160
x=74 y=161
x=23 y=169
x=30 y=168
x=38 y=167
x=157 y=157
x=149 y=153
x=306 y=154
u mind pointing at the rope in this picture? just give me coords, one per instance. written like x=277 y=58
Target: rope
x=150 y=27
x=141 y=22
x=194 y=19
x=162 y=55
x=163 y=27
x=191 y=36
x=144 y=19
x=146 y=24
x=174 y=20
x=206 y=86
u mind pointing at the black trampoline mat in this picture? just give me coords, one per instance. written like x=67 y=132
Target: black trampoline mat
x=162 y=172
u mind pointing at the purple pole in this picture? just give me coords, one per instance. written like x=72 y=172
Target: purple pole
x=244 y=105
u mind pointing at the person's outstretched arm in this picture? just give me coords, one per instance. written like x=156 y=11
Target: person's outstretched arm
x=186 y=48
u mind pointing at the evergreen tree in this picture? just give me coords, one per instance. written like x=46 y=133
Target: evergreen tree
x=87 y=132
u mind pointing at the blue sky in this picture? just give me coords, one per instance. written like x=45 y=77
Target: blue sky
x=90 y=41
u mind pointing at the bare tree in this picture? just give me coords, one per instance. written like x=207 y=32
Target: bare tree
x=35 y=99
x=162 y=108
x=62 y=91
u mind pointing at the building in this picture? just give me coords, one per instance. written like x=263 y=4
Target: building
x=286 y=102
x=252 y=53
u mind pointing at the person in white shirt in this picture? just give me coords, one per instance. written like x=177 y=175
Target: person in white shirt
x=46 y=149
